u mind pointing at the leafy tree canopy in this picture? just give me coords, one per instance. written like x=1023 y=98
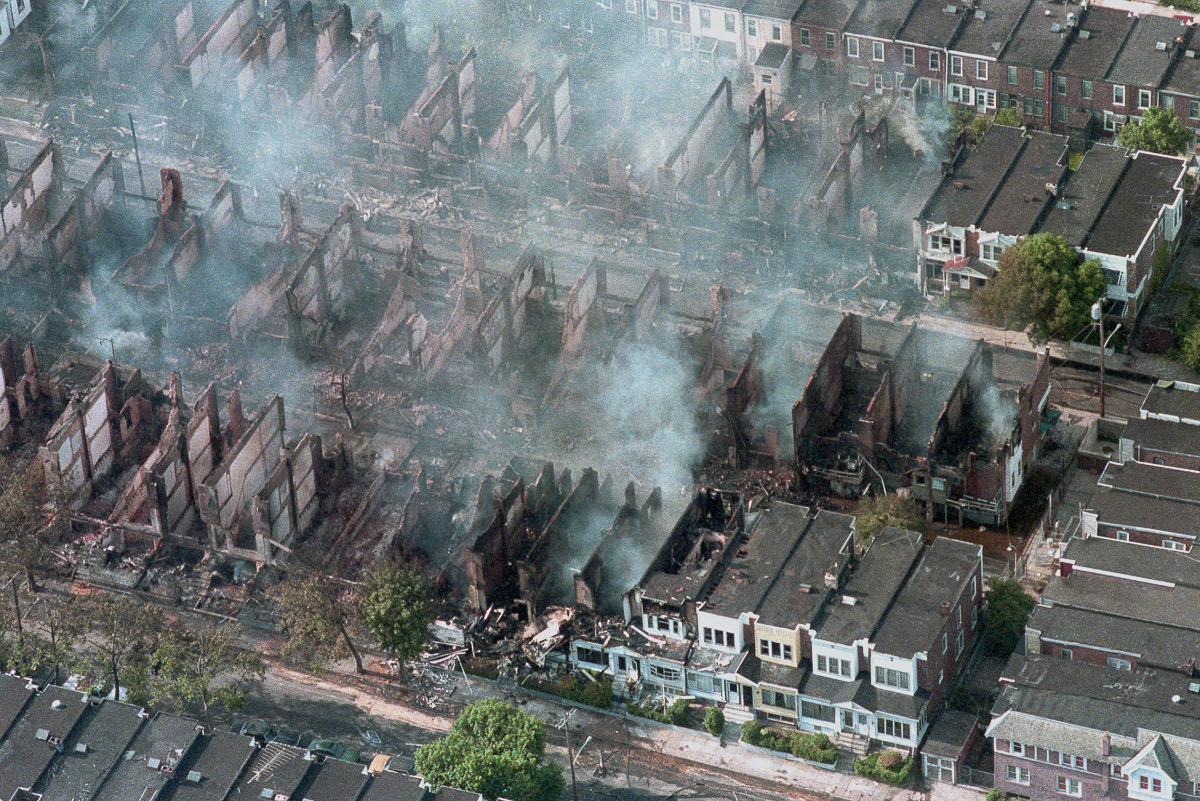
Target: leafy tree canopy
x=397 y=608
x=494 y=749
x=1044 y=285
x=197 y=668
x=880 y=511
x=1008 y=607
x=316 y=616
x=1159 y=131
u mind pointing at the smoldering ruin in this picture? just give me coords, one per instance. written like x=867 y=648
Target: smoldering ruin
x=504 y=301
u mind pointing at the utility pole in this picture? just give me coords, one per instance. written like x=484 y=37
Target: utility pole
x=565 y=724
x=137 y=156
x=1098 y=316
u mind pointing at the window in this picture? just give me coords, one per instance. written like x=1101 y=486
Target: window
x=730 y=22
x=1118 y=95
x=891 y=678
x=1061 y=113
x=676 y=12
x=1060 y=84
x=631 y=6
x=1072 y=761
x=910 y=56
x=776 y=33
x=779 y=700
x=958 y=645
x=974 y=617
x=805 y=37
x=1122 y=536
x=652 y=9
x=851 y=47
x=1016 y=748
x=1174 y=545
x=833 y=665
x=766 y=78
x=705 y=18
x=830 y=41
x=1193 y=109
x=1085 y=90
x=605 y=3
x=622 y=664
x=1168 y=102
x=764 y=647
x=935 y=60
x=1145 y=783
x=893 y=728
x=956 y=65
x=1068 y=786
x=683 y=41
x=945 y=642
x=1143 y=98
x=593 y=656
x=1012 y=76
x=877 y=51
x=981 y=70
x=703 y=683
x=664 y=673
x=1039 y=79
x=814 y=711
x=878 y=84
x=1064 y=653
x=752 y=27
x=1018 y=774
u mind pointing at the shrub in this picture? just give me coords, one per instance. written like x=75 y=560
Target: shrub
x=752 y=731
x=714 y=721
x=871 y=767
x=994 y=795
x=579 y=689
x=814 y=748
x=677 y=714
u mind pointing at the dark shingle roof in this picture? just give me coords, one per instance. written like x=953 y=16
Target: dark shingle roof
x=871 y=588
x=1155 y=480
x=1106 y=555
x=830 y=14
x=753 y=569
x=336 y=780
x=1184 y=75
x=210 y=773
x=782 y=10
x=799 y=589
x=1081 y=201
x=1041 y=35
x=1164 y=435
x=275 y=767
x=963 y=195
x=149 y=762
x=14 y=694
x=1091 y=52
x=1141 y=63
x=389 y=786
x=1151 y=644
x=104 y=733
x=1172 y=399
x=933 y=22
x=989 y=27
x=916 y=616
x=1148 y=184
x=880 y=19
x=30 y=745
x=1023 y=198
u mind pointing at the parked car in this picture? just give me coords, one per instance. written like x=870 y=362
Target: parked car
x=293 y=738
x=260 y=730
x=319 y=750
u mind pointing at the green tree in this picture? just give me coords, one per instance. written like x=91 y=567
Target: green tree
x=880 y=511
x=1007 y=116
x=396 y=609
x=714 y=721
x=974 y=126
x=1044 y=285
x=1007 y=607
x=1159 y=131
x=317 y=614
x=494 y=749
x=121 y=637
x=198 y=668
x=23 y=496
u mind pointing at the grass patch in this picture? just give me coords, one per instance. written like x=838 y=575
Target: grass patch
x=1074 y=160
x=802 y=744
x=890 y=767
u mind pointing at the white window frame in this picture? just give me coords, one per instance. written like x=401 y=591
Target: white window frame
x=909 y=55
x=776 y=33
x=752 y=28
x=851 y=47
x=705 y=19
x=1118 y=89
x=651 y=9
x=1118 y=663
x=1174 y=545
x=981 y=70
x=1065 y=785
x=935 y=60
x=1145 y=95
x=956 y=66
x=1017 y=774
x=1015 y=748
x=631 y=6
x=730 y=22
x=676 y=13
x=878 y=52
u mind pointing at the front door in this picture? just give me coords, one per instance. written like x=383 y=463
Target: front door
x=847 y=720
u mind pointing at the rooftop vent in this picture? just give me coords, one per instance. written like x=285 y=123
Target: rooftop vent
x=153 y=763
x=1160 y=45
x=267 y=793
x=950 y=9
x=1177 y=699
x=1055 y=27
x=1048 y=13
x=81 y=748
x=849 y=600
x=1085 y=34
x=980 y=14
x=194 y=776
x=130 y=754
x=56 y=703
x=1194 y=687
x=1190 y=53
x=41 y=734
x=945 y=607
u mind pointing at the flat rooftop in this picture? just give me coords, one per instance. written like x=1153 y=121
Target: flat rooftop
x=799 y=590
x=1076 y=211
x=963 y=195
x=29 y=747
x=1173 y=400
x=933 y=23
x=1157 y=481
x=1147 y=54
x=163 y=741
x=105 y=732
x=1040 y=36
x=1170 y=606
x=1019 y=204
x=1134 y=561
x=916 y=616
x=871 y=588
x=989 y=27
x=879 y=19
x=757 y=563
x=1090 y=58
x=336 y=780
x=1164 y=435
x=1150 y=644
x=1146 y=513
x=1149 y=183
x=215 y=765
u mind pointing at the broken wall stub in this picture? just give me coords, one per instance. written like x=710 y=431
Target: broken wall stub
x=537 y=123
x=25 y=207
x=324 y=284
x=831 y=202
x=501 y=326
x=67 y=242
x=584 y=317
x=288 y=501
x=217 y=51
x=652 y=302
x=25 y=396
x=225 y=496
x=698 y=146
x=501 y=537
x=815 y=411
x=756 y=134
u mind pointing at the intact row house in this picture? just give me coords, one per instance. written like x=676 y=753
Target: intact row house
x=779 y=615
x=1069 y=68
